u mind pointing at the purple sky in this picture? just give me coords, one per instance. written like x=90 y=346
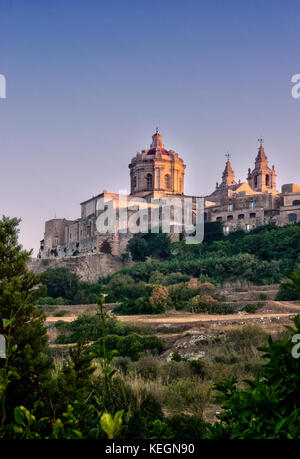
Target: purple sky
x=88 y=81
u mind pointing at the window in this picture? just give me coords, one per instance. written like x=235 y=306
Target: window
x=267 y=180
x=241 y=217
x=231 y=207
x=134 y=182
x=292 y=218
x=255 y=181
x=227 y=230
x=167 y=181
x=230 y=217
x=149 y=181
x=296 y=203
x=219 y=219
x=252 y=205
x=252 y=215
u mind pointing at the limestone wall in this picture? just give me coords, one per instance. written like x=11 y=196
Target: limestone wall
x=88 y=267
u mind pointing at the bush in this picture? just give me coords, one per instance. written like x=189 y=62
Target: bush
x=188 y=394
x=286 y=292
x=159 y=299
x=131 y=345
x=142 y=246
x=251 y=308
x=186 y=427
x=269 y=407
x=141 y=422
x=60 y=282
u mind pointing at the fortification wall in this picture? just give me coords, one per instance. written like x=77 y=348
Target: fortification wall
x=88 y=267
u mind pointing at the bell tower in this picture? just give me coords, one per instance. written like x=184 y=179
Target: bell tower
x=262 y=178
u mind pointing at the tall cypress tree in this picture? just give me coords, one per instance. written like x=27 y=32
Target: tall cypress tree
x=26 y=367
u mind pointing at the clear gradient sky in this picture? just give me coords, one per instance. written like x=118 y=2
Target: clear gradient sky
x=88 y=81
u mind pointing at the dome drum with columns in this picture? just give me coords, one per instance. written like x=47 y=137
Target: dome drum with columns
x=156 y=169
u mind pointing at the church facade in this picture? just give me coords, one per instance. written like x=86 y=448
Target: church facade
x=157 y=173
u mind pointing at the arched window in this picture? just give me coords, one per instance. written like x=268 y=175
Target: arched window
x=167 y=181
x=230 y=217
x=253 y=215
x=292 y=218
x=241 y=217
x=219 y=219
x=267 y=180
x=149 y=181
x=296 y=203
x=255 y=181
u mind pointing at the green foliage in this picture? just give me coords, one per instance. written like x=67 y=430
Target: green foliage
x=140 y=424
x=286 y=292
x=60 y=282
x=161 y=430
x=131 y=346
x=111 y=425
x=176 y=357
x=156 y=245
x=26 y=367
x=186 y=427
x=270 y=407
x=252 y=308
x=295 y=280
x=213 y=231
x=89 y=326
x=289 y=289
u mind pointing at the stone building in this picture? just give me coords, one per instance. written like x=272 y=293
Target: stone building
x=159 y=173
x=255 y=202
x=156 y=169
x=155 y=173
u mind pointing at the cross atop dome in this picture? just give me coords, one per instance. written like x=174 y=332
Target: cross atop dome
x=261 y=141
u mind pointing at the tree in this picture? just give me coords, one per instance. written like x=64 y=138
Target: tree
x=61 y=282
x=295 y=280
x=137 y=247
x=25 y=368
x=159 y=298
x=156 y=245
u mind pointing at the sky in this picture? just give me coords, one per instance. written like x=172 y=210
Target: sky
x=88 y=81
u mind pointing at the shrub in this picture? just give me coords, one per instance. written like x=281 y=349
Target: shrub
x=251 y=308
x=269 y=407
x=286 y=292
x=186 y=427
x=60 y=282
x=131 y=345
x=159 y=298
x=188 y=395
x=141 y=422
